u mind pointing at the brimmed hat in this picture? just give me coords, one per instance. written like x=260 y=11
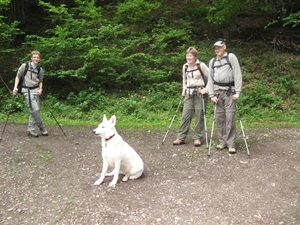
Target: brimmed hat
x=220 y=43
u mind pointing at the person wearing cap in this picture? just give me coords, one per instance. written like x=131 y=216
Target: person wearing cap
x=194 y=77
x=224 y=87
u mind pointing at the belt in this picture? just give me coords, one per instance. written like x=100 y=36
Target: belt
x=224 y=84
x=30 y=87
x=195 y=87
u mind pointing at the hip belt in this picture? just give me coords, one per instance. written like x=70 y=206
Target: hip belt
x=224 y=84
x=193 y=90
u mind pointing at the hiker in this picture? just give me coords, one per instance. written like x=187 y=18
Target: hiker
x=225 y=86
x=194 y=92
x=30 y=78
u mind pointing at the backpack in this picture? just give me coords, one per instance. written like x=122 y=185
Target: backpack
x=213 y=67
x=22 y=79
x=199 y=68
x=227 y=59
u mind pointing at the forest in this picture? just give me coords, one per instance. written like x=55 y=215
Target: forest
x=125 y=56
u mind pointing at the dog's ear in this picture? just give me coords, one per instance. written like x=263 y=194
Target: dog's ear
x=104 y=118
x=113 y=120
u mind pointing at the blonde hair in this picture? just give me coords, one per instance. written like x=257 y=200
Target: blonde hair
x=193 y=51
x=35 y=53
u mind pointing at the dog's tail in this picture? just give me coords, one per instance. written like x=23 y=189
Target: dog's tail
x=145 y=172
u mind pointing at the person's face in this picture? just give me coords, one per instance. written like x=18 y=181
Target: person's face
x=220 y=50
x=35 y=58
x=190 y=58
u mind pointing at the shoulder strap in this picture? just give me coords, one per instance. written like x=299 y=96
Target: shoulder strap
x=22 y=80
x=199 y=68
x=228 y=61
x=26 y=69
x=213 y=65
x=39 y=70
x=185 y=69
x=203 y=77
x=213 y=69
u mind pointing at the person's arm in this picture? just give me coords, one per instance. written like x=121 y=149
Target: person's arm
x=15 y=90
x=19 y=74
x=237 y=74
x=205 y=72
x=210 y=85
x=183 y=81
x=39 y=92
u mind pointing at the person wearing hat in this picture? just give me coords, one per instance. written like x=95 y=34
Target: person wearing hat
x=194 y=77
x=224 y=87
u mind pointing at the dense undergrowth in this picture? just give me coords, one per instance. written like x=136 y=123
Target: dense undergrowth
x=270 y=96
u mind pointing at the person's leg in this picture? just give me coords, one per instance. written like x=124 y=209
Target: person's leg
x=37 y=115
x=187 y=114
x=31 y=120
x=199 y=126
x=221 y=119
x=230 y=106
x=35 y=110
x=33 y=103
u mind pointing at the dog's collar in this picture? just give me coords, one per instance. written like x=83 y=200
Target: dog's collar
x=107 y=139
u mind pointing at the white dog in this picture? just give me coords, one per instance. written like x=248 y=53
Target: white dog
x=117 y=154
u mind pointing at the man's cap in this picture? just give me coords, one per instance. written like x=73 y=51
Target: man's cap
x=220 y=43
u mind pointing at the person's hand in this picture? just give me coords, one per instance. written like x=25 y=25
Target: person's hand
x=15 y=91
x=39 y=92
x=235 y=97
x=203 y=91
x=215 y=99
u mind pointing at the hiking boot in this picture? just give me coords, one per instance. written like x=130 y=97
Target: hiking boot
x=220 y=147
x=44 y=131
x=197 y=143
x=232 y=150
x=178 y=142
x=32 y=134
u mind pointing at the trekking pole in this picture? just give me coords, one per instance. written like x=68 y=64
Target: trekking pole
x=54 y=118
x=242 y=128
x=5 y=84
x=8 y=112
x=212 y=129
x=205 y=127
x=4 y=126
x=171 y=122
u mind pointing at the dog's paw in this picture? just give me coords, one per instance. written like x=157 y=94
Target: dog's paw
x=98 y=182
x=112 y=184
x=125 y=179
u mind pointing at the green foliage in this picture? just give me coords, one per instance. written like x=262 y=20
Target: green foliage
x=8 y=31
x=135 y=11
x=292 y=20
x=12 y=104
x=288 y=14
x=125 y=58
x=4 y=3
x=257 y=96
x=223 y=10
x=106 y=55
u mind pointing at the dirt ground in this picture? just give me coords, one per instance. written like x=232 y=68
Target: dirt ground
x=49 y=180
